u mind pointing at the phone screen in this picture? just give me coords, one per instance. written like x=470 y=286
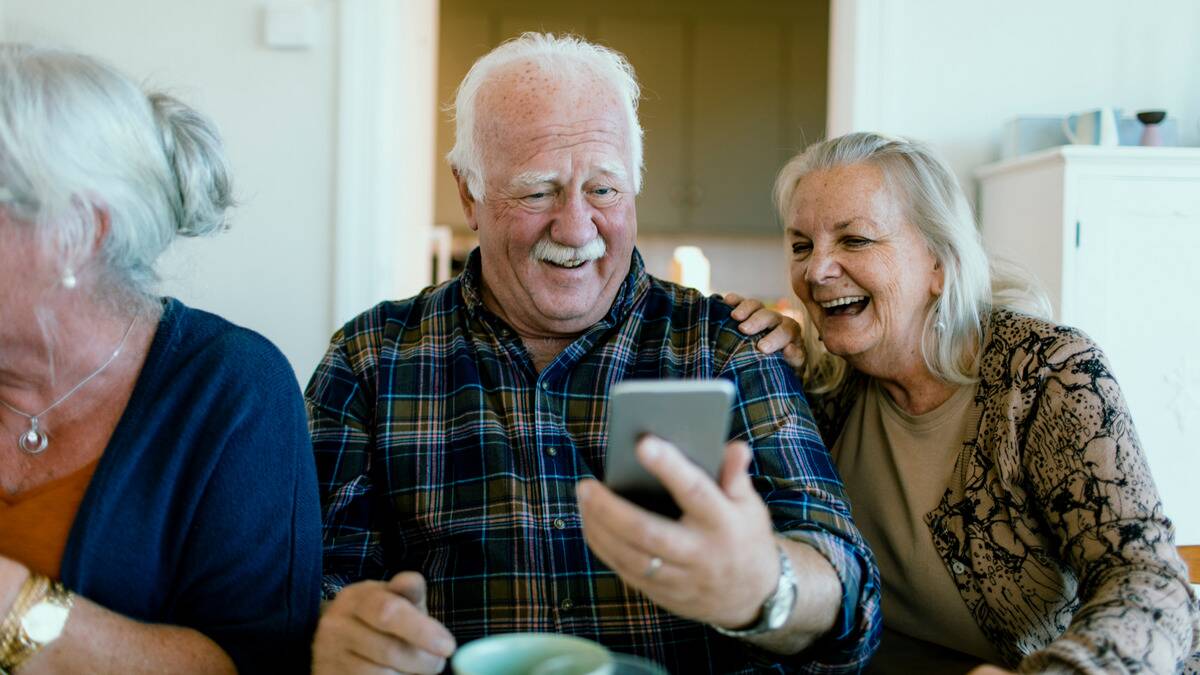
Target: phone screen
x=693 y=415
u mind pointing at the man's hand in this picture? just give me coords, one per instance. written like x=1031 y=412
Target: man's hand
x=716 y=564
x=381 y=627
x=755 y=318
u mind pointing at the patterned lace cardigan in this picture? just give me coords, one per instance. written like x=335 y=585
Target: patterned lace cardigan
x=1051 y=526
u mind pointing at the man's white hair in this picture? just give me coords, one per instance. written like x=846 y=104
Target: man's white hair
x=568 y=57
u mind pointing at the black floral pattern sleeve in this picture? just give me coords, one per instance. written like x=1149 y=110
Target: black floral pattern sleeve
x=1054 y=531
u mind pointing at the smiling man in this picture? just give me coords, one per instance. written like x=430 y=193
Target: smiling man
x=459 y=433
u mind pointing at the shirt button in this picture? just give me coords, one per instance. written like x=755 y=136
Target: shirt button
x=545 y=385
x=559 y=524
x=552 y=451
x=567 y=605
x=958 y=567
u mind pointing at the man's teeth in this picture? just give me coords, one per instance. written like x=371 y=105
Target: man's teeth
x=850 y=299
x=571 y=264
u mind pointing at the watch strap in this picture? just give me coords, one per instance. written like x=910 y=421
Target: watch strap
x=782 y=598
x=16 y=644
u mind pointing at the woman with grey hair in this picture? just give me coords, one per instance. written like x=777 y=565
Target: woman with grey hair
x=990 y=459
x=158 y=504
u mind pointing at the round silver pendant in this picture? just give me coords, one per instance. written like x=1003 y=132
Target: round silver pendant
x=34 y=441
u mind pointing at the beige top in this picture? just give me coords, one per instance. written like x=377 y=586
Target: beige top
x=896 y=467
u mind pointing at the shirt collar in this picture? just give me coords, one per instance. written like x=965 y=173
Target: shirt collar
x=632 y=289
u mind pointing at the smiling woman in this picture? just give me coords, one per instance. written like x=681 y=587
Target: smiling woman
x=990 y=458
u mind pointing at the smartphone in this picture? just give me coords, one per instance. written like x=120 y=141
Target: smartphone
x=693 y=415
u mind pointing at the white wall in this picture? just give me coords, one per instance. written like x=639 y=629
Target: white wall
x=951 y=72
x=276 y=111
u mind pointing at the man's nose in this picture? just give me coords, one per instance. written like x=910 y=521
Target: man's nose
x=576 y=221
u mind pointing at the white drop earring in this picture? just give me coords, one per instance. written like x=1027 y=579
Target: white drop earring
x=68 y=279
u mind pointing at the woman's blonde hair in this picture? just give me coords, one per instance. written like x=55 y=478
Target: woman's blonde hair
x=935 y=205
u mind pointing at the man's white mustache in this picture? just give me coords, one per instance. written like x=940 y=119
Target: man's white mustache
x=553 y=252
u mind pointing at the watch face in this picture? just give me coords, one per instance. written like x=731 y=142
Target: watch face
x=778 y=614
x=44 y=622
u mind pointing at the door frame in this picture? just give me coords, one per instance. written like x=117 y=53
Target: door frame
x=386 y=130
x=856 y=66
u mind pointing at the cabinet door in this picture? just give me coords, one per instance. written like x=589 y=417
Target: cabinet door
x=463 y=38
x=738 y=95
x=1137 y=268
x=654 y=46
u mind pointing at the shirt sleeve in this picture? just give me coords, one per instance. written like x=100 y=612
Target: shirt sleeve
x=794 y=473
x=249 y=572
x=340 y=413
x=1089 y=472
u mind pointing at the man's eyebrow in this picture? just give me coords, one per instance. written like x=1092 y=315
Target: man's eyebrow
x=614 y=169
x=534 y=178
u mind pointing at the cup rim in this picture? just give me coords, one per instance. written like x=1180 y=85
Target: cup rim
x=491 y=642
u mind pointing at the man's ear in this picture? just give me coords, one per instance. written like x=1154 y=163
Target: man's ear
x=464 y=196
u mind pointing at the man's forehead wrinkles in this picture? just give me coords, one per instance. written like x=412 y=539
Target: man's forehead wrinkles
x=571 y=132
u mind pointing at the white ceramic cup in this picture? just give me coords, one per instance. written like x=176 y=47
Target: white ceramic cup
x=532 y=654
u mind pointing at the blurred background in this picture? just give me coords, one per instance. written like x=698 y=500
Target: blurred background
x=333 y=112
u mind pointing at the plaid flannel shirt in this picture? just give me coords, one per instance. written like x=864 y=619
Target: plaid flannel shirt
x=440 y=448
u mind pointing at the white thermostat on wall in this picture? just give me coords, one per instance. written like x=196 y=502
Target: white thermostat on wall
x=290 y=25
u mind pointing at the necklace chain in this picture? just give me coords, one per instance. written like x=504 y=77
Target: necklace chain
x=36 y=439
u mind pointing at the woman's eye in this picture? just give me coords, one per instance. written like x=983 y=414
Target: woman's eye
x=800 y=249
x=857 y=242
x=536 y=195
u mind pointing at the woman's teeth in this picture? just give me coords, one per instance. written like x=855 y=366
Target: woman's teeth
x=848 y=300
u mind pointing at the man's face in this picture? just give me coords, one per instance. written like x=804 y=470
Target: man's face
x=557 y=227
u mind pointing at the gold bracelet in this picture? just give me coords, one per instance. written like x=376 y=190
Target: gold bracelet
x=11 y=626
x=10 y=629
x=36 y=619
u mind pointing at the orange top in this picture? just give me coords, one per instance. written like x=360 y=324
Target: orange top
x=34 y=525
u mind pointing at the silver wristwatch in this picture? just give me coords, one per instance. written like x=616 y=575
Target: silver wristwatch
x=778 y=605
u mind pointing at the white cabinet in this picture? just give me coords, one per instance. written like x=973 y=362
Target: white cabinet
x=1114 y=236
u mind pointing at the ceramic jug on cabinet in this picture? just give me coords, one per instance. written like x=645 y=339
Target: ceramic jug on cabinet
x=1094 y=127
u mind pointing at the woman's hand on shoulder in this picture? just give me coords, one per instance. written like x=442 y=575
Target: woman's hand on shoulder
x=784 y=332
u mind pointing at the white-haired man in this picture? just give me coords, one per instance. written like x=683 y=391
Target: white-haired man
x=459 y=433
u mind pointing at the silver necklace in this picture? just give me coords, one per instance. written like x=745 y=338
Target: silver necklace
x=35 y=440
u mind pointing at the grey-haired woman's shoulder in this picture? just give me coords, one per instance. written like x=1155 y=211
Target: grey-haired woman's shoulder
x=1012 y=332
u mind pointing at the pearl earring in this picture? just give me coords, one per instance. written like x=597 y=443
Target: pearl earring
x=68 y=279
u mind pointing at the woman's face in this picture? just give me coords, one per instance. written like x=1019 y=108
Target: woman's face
x=25 y=273
x=862 y=270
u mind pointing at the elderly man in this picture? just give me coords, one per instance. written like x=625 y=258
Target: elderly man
x=459 y=433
